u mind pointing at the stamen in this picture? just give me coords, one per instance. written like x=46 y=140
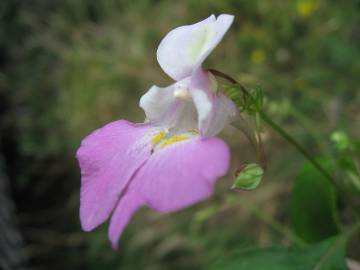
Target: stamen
x=182 y=92
x=162 y=139
x=172 y=140
x=158 y=137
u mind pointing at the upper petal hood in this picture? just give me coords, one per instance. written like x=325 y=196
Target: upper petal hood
x=200 y=105
x=185 y=48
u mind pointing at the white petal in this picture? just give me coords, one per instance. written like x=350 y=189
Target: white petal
x=158 y=103
x=187 y=118
x=170 y=107
x=203 y=105
x=224 y=112
x=185 y=48
x=214 y=109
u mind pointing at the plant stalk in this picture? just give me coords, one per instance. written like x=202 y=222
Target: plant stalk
x=292 y=141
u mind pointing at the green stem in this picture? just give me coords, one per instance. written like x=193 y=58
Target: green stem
x=298 y=147
x=254 y=139
x=342 y=193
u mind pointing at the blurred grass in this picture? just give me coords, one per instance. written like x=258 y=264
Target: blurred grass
x=68 y=67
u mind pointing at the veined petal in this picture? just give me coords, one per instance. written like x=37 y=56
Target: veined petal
x=185 y=48
x=182 y=173
x=108 y=159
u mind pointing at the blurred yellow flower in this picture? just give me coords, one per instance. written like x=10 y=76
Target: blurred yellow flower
x=258 y=56
x=306 y=7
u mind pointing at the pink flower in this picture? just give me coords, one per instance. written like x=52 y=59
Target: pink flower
x=172 y=161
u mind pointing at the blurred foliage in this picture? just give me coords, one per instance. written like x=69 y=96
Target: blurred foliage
x=313 y=203
x=327 y=255
x=68 y=67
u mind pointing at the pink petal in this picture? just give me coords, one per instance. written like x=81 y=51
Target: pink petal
x=182 y=173
x=126 y=207
x=174 y=177
x=185 y=48
x=108 y=159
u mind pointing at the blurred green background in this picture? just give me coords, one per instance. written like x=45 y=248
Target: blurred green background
x=69 y=67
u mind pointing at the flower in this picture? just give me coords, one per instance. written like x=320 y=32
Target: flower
x=173 y=159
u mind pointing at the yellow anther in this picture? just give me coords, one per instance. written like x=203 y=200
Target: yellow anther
x=158 y=137
x=172 y=140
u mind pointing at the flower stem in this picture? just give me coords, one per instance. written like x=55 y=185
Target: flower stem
x=297 y=146
x=342 y=193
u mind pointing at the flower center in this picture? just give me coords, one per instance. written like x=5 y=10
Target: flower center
x=163 y=139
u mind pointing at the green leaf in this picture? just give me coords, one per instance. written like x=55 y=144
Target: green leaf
x=326 y=255
x=313 y=215
x=249 y=177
